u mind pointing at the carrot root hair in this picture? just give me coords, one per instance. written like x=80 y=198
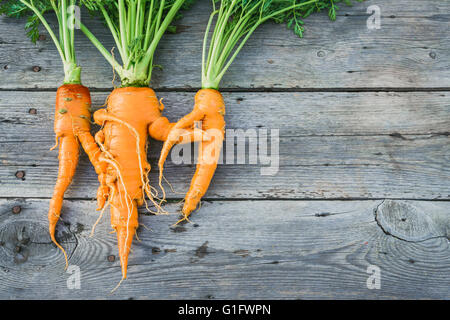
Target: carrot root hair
x=52 y=229
x=98 y=219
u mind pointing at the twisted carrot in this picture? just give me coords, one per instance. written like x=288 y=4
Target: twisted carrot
x=209 y=108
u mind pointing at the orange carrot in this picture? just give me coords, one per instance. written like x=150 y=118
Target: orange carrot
x=73 y=101
x=236 y=21
x=132 y=113
x=123 y=140
x=72 y=124
x=209 y=108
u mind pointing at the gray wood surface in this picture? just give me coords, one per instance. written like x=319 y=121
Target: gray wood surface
x=364 y=118
x=366 y=150
x=237 y=249
x=294 y=113
x=310 y=168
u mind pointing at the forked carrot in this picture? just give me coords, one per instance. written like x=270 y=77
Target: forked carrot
x=236 y=21
x=133 y=112
x=72 y=125
x=209 y=108
x=124 y=143
x=73 y=101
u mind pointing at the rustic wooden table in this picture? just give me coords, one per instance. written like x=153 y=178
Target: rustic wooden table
x=364 y=118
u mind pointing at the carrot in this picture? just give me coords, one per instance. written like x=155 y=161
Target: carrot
x=73 y=101
x=72 y=128
x=124 y=151
x=124 y=146
x=236 y=22
x=72 y=115
x=210 y=110
x=133 y=112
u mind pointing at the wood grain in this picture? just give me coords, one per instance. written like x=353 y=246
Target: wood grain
x=314 y=162
x=413 y=221
x=294 y=113
x=315 y=168
x=237 y=249
x=364 y=122
x=362 y=145
x=409 y=51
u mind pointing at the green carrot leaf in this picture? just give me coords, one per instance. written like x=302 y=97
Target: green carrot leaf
x=137 y=27
x=236 y=20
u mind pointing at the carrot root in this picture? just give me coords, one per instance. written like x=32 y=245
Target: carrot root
x=124 y=182
x=72 y=127
x=130 y=116
x=209 y=108
x=68 y=159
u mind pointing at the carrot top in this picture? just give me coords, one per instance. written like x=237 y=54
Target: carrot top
x=64 y=42
x=238 y=19
x=137 y=27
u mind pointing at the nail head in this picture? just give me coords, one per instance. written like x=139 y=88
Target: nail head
x=20 y=174
x=16 y=209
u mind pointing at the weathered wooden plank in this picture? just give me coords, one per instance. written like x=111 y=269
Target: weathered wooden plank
x=394 y=180
x=297 y=114
x=410 y=50
x=244 y=250
x=309 y=167
x=314 y=163
x=426 y=153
